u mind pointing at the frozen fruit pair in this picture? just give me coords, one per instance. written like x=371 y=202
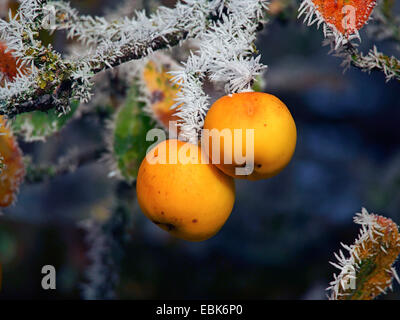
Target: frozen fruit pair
x=193 y=198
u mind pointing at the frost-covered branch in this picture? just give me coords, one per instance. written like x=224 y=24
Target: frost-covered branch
x=368 y=269
x=131 y=39
x=101 y=274
x=373 y=61
x=106 y=241
x=65 y=165
x=40 y=70
x=113 y=44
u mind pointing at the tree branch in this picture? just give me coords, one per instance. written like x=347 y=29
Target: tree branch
x=373 y=61
x=39 y=174
x=128 y=54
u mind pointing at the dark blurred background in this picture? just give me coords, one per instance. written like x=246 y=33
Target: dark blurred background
x=283 y=231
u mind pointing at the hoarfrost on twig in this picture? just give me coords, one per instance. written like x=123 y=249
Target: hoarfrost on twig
x=225 y=29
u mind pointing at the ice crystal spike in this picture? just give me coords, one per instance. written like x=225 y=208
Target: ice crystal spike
x=13 y=170
x=368 y=271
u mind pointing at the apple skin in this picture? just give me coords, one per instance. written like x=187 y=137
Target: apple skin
x=191 y=201
x=275 y=133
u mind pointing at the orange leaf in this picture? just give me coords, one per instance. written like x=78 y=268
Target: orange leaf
x=9 y=64
x=13 y=171
x=346 y=16
x=162 y=92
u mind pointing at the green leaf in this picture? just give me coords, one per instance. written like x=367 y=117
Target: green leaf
x=38 y=125
x=259 y=84
x=129 y=137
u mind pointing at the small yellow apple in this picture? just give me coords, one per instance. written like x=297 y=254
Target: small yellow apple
x=274 y=133
x=183 y=194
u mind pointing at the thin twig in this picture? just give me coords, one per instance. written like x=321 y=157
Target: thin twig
x=42 y=173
